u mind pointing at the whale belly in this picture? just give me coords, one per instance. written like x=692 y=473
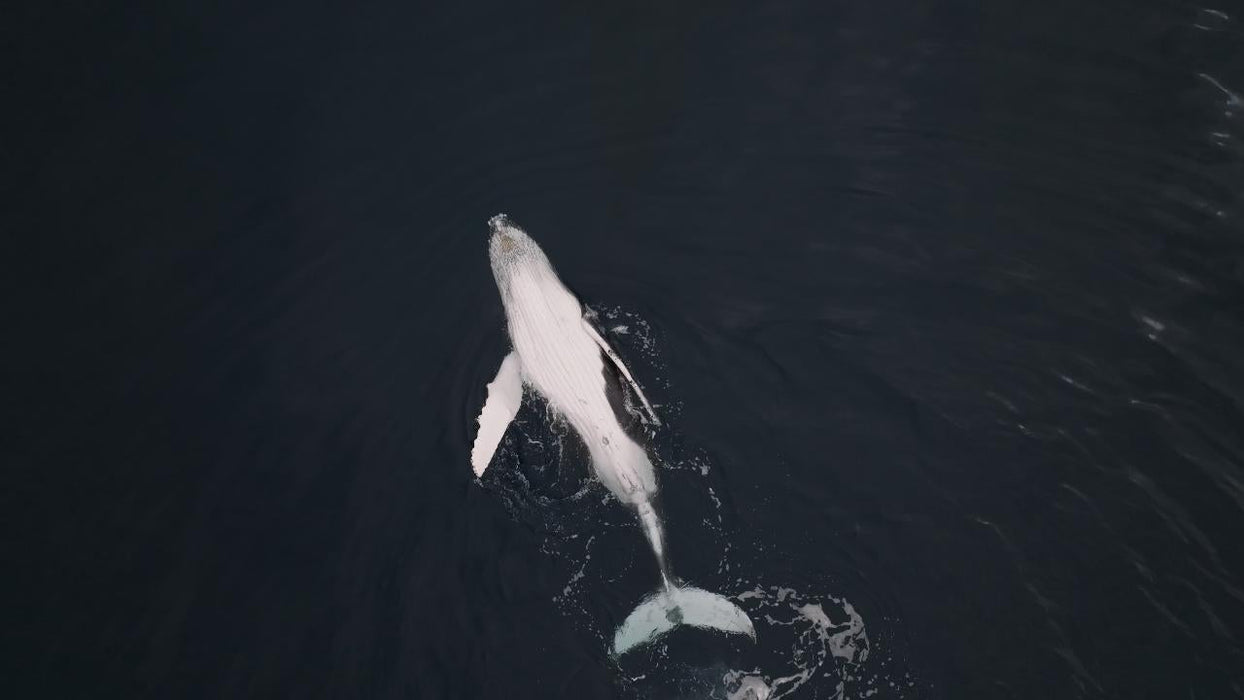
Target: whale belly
x=564 y=364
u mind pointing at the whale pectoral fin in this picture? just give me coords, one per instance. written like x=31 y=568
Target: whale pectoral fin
x=505 y=393
x=649 y=416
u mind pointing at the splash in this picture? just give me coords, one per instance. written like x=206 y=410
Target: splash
x=824 y=653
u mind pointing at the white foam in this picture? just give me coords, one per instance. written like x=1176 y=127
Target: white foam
x=822 y=652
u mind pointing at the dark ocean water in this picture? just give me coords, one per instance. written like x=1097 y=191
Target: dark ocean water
x=943 y=304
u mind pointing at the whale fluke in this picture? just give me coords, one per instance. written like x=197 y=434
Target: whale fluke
x=679 y=605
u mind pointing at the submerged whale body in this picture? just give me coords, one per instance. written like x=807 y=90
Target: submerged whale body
x=559 y=355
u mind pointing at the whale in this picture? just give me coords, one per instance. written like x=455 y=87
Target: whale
x=558 y=355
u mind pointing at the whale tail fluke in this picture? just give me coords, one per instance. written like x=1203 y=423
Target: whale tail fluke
x=679 y=605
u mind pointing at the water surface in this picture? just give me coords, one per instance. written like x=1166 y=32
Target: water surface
x=942 y=303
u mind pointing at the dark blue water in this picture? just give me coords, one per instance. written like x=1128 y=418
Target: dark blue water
x=943 y=304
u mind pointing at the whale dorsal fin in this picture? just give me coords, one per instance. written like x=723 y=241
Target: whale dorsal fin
x=649 y=416
x=505 y=394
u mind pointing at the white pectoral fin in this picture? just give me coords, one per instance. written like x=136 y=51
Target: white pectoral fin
x=505 y=393
x=650 y=415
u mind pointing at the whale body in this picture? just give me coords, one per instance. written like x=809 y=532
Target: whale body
x=560 y=356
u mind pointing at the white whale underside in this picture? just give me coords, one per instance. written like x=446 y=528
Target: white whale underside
x=560 y=355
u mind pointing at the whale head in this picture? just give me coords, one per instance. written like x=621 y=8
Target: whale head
x=506 y=239
x=511 y=251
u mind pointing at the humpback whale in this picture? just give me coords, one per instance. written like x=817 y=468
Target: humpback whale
x=560 y=356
